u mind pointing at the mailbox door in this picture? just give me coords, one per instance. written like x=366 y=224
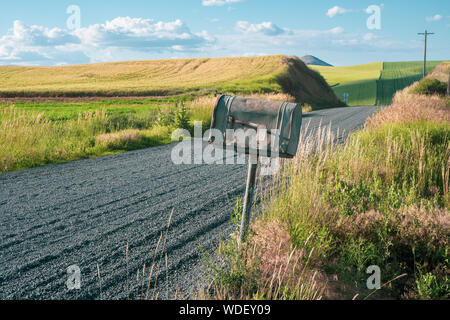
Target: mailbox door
x=279 y=119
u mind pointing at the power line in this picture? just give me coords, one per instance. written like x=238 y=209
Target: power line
x=426 y=34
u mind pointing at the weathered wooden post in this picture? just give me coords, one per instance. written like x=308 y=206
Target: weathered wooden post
x=256 y=128
x=248 y=198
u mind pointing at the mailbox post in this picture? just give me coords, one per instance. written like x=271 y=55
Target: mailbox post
x=248 y=198
x=278 y=123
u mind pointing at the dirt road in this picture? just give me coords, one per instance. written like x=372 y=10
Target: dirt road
x=84 y=213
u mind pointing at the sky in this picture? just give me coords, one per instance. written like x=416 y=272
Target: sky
x=347 y=32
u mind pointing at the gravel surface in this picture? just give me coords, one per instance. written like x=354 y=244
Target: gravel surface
x=85 y=212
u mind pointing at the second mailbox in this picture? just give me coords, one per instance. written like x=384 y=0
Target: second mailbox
x=276 y=123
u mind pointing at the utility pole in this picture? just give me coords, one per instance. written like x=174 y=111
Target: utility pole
x=426 y=34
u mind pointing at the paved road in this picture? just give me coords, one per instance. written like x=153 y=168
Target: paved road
x=84 y=213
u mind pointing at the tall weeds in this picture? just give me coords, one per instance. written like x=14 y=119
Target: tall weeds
x=381 y=199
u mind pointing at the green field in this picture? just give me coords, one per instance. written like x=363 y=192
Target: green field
x=137 y=108
x=375 y=83
x=360 y=82
x=396 y=76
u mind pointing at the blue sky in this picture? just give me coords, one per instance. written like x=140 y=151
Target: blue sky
x=37 y=32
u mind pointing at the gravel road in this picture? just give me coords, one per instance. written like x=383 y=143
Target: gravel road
x=84 y=213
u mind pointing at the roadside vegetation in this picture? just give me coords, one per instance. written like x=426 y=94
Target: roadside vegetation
x=40 y=133
x=36 y=134
x=380 y=199
x=57 y=114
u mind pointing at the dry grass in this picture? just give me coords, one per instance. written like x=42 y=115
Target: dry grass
x=266 y=267
x=28 y=139
x=139 y=76
x=267 y=74
x=283 y=97
x=380 y=199
x=409 y=107
x=441 y=72
x=119 y=138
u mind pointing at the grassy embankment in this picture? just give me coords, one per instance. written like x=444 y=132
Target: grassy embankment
x=374 y=83
x=34 y=133
x=381 y=199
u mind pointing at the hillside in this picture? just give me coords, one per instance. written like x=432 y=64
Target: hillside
x=314 y=61
x=374 y=83
x=396 y=76
x=169 y=77
x=360 y=81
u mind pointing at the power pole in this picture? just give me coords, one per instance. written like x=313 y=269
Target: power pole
x=426 y=34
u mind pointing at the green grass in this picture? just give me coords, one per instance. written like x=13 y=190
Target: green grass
x=55 y=110
x=41 y=133
x=360 y=82
x=399 y=75
x=375 y=83
x=380 y=199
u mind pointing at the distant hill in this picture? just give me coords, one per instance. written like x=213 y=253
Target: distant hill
x=314 y=61
x=242 y=75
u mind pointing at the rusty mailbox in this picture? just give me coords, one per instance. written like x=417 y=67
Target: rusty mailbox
x=268 y=128
x=275 y=126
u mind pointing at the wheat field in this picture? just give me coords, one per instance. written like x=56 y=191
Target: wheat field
x=154 y=77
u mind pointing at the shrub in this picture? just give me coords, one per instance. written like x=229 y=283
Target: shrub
x=431 y=86
x=181 y=120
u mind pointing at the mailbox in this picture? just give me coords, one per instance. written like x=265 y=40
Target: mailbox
x=275 y=126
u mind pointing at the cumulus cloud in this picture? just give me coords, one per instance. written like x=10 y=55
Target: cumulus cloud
x=336 y=10
x=38 y=45
x=218 y=3
x=23 y=35
x=436 y=17
x=266 y=28
x=141 y=33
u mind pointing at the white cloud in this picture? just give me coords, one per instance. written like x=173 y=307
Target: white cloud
x=337 y=30
x=436 y=17
x=38 y=45
x=336 y=10
x=126 y=38
x=369 y=37
x=115 y=38
x=218 y=3
x=23 y=35
x=346 y=42
x=141 y=33
x=266 y=28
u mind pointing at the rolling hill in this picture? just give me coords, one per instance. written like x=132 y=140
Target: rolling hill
x=169 y=77
x=314 y=61
x=374 y=83
x=360 y=81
